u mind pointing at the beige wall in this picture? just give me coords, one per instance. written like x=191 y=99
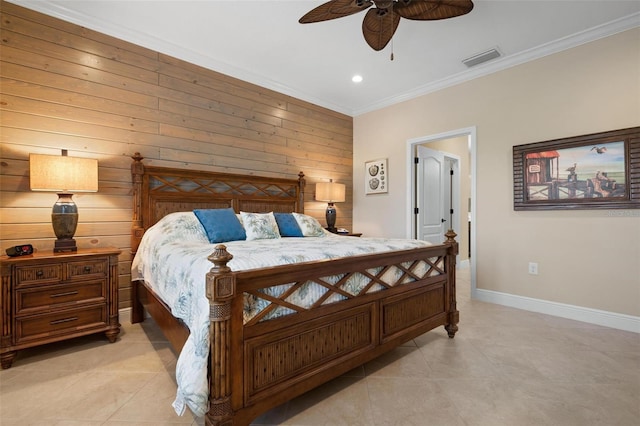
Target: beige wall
x=588 y=258
x=67 y=87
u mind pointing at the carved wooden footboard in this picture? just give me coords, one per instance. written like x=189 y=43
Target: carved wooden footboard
x=259 y=363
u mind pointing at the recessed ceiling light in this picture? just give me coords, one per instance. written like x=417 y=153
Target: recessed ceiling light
x=356 y=78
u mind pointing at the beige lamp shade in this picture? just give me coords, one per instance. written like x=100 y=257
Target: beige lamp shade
x=330 y=192
x=64 y=175
x=59 y=173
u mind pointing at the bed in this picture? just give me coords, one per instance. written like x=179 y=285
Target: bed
x=368 y=303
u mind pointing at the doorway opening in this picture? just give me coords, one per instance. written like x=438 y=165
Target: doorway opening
x=431 y=181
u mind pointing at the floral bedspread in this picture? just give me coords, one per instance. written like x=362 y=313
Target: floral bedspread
x=172 y=259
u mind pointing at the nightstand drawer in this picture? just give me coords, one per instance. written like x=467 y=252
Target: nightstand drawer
x=38 y=274
x=87 y=269
x=63 y=322
x=54 y=296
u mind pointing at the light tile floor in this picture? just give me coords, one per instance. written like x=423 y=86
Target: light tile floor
x=504 y=367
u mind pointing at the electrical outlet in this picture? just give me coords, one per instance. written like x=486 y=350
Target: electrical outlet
x=533 y=268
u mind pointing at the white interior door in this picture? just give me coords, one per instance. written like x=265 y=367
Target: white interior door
x=430 y=195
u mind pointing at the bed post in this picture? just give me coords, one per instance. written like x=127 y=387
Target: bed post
x=301 y=183
x=221 y=288
x=137 y=171
x=453 y=316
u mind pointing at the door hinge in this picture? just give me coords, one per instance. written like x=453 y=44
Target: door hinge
x=451 y=172
x=451 y=211
x=416 y=160
x=416 y=210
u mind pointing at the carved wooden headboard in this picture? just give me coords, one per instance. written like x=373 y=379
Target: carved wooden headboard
x=158 y=191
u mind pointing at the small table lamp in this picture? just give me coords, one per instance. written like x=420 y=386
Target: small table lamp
x=64 y=175
x=330 y=192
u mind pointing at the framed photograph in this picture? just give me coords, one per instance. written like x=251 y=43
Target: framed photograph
x=376 y=177
x=597 y=171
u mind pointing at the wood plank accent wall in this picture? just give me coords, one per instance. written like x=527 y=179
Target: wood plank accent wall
x=66 y=87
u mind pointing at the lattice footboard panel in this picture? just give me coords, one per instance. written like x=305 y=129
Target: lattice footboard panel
x=310 y=293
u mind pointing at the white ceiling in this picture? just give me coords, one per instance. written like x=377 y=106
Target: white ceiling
x=263 y=43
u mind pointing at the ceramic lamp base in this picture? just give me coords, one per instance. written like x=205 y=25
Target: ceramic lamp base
x=64 y=219
x=331 y=218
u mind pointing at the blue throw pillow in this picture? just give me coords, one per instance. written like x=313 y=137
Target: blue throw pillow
x=221 y=225
x=288 y=225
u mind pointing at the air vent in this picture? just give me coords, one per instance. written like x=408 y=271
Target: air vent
x=481 y=58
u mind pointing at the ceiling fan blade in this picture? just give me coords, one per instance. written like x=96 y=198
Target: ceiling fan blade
x=335 y=9
x=378 y=27
x=426 y=10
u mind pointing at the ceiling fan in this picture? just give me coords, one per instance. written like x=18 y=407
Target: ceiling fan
x=380 y=23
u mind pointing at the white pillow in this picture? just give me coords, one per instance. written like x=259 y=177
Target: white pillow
x=260 y=226
x=309 y=226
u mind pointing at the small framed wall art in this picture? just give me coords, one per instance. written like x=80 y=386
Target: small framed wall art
x=376 y=177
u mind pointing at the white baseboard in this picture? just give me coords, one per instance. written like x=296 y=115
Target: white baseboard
x=578 y=313
x=125 y=315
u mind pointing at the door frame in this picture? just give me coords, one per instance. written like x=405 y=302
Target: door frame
x=470 y=133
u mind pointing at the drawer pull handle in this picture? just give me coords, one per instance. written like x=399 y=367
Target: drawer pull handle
x=39 y=273
x=61 y=321
x=87 y=269
x=68 y=293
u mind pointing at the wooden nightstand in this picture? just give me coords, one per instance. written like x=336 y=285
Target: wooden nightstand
x=47 y=297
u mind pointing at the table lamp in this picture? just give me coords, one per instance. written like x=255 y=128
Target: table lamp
x=330 y=192
x=64 y=175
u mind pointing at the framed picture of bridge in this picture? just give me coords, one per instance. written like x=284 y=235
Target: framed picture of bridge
x=596 y=171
